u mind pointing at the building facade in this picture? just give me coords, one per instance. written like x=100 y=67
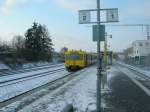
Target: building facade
x=139 y=50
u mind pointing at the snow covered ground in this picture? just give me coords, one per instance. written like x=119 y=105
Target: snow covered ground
x=3 y=67
x=12 y=90
x=30 y=73
x=28 y=65
x=81 y=92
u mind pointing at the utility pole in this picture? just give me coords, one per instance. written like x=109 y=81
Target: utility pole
x=99 y=62
x=98 y=36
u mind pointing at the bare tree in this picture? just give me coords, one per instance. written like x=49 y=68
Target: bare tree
x=4 y=46
x=18 y=42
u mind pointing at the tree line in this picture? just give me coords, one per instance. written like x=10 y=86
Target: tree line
x=35 y=45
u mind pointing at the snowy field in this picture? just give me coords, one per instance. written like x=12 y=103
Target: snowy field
x=81 y=92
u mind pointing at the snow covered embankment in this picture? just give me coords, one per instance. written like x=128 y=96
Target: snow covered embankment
x=144 y=72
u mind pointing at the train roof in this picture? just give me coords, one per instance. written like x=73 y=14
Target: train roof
x=75 y=51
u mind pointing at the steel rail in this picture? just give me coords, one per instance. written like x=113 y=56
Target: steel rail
x=29 y=69
x=34 y=90
x=139 y=73
x=26 y=68
x=30 y=77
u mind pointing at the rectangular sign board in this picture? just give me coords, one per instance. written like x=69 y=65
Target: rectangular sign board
x=84 y=17
x=98 y=32
x=112 y=15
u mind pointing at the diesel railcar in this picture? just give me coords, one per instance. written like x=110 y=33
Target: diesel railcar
x=75 y=60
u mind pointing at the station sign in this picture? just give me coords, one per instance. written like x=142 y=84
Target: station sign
x=112 y=15
x=84 y=17
x=98 y=32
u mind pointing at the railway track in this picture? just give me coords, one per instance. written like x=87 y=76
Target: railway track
x=21 y=75
x=139 y=78
x=140 y=74
x=10 y=85
x=29 y=69
x=30 y=77
x=68 y=77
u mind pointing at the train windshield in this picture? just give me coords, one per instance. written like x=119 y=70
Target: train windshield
x=74 y=57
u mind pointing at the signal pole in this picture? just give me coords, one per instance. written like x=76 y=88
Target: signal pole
x=99 y=62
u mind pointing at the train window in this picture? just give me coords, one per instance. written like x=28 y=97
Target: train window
x=74 y=57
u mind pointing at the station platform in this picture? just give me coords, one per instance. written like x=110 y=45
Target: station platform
x=124 y=94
